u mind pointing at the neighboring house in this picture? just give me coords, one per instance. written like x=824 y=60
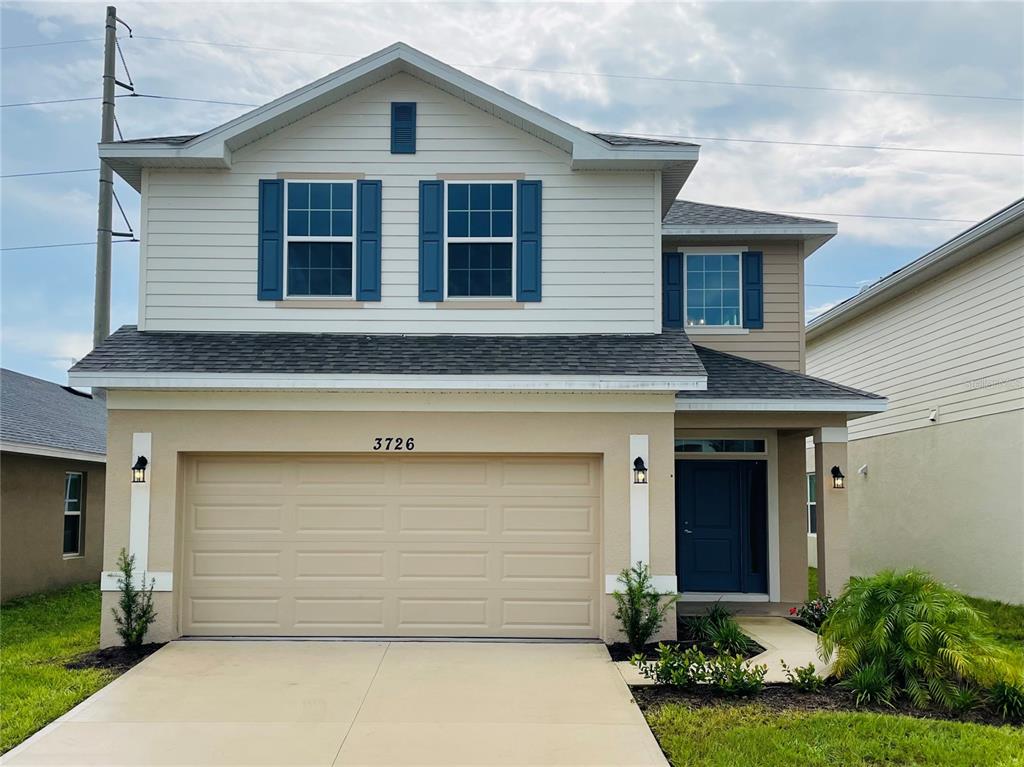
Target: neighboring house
x=52 y=481
x=939 y=484
x=416 y=358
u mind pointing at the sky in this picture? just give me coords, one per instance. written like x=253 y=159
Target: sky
x=609 y=66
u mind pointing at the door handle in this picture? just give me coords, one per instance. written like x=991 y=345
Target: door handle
x=688 y=532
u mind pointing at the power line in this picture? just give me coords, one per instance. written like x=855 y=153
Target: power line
x=49 y=101
x=62 y=245
x=889 y=218
x=182 y=98
x=55 y=42
x=614 y=75
x=49 y=172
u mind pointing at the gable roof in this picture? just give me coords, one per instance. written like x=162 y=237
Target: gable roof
x=720 y=223
x=173 y=359
x=44 y=418
x=986 y=234
x=587 y=151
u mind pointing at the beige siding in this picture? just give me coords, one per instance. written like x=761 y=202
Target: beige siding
x=955 y=343
x=601 y=229
x=780 y=342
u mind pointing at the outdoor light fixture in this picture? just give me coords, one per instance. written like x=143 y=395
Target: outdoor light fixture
x=639 y=472
x=838 y=480
x=139 y=469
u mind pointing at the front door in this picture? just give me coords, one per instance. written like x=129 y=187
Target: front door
x=721 y=526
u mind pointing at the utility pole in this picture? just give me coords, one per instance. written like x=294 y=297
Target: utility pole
x=105 y=219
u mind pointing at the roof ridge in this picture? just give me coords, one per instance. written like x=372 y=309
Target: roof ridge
x=777 y=369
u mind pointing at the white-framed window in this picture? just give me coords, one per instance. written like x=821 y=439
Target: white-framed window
x=479 y=248
x=812 y=503
x=320 y=238
x=74 y=513
x=712 y=289
x=726 y=445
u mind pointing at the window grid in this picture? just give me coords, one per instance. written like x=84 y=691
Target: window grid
x=479 y=218
x=320 y=221
x=74 y=495
x=712 y=287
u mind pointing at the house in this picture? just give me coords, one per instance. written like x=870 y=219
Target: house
x=937 y=480
x=52 y=481
x=416 y=358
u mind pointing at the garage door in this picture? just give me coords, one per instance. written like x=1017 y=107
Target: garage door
x=391 y=546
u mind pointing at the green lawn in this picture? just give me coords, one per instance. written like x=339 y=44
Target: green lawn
x=37 y=635
x=725 y=736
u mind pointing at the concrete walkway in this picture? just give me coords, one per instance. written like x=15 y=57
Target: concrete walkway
x=782 y=640
x=356 y=703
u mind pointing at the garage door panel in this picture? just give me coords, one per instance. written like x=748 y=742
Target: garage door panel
x=412 y=559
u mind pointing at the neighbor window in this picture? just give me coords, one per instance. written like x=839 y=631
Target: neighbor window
x=713 y=289
x=479 y=239
x=319 y=238
x=74 y=503
x=812 y=504
x=720 y=446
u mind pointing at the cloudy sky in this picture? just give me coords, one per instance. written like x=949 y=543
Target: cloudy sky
x=615 y=67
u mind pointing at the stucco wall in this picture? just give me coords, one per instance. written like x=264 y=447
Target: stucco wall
x=32 y=524
x=343 y=431
x=948 y=498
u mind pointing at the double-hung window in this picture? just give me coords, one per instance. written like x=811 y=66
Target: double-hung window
x=812 y=504
x=74 y=507
x=713 y=290
x=319 y=238
x=480 y=239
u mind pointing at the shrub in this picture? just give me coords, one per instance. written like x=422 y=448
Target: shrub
x=641 y=608
x=682 y=668
x=803 y=678
x=731 y=675
x=1007 y=698
x=728 y=638
x=906 y=633
x=813 y=612
x=134 y=612
x=870 y=683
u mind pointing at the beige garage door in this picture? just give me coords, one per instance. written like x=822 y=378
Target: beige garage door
x=390 y=545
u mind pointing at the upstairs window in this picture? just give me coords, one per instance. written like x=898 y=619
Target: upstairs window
x=480 y=240
x=74 y=505
x=319 y=241
x=713 y=290
x=812 y=504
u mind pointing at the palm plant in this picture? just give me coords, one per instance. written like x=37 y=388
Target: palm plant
x=926 y=638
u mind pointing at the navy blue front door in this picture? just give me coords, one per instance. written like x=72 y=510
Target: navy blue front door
x=721 y=526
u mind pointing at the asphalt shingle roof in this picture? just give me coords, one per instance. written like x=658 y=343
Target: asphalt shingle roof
x=669 y=354
x=618 y=139
x=730 y=376
x=175 y=140
x=44 y=414
x=686 y=213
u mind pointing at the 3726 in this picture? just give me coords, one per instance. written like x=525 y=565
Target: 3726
x=394 y=443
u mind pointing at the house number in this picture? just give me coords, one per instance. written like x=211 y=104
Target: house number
x=393 y=443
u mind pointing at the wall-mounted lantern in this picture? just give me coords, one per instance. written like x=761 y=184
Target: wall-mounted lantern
x=139 y=469
x=838 y=479
x=639 y=472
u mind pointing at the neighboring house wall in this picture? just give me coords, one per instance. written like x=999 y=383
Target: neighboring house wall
x=601 y=230
x=945 y=495
x=32 y=524
x=781 y=341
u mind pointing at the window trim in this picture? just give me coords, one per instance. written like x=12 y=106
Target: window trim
x=811 y=503
x=288 y=239
x=80 y=549
x=513 y=239
x=728 y=250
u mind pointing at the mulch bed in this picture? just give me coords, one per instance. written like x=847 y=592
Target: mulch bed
x=118 y=659
x=781 y=698
x=620 y=650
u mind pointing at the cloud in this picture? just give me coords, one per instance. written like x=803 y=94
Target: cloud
x=813 y=311
x=59 y=349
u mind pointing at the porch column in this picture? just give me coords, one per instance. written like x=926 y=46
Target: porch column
x=832 y=510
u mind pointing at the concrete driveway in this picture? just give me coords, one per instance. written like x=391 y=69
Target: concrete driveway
x=356 y=703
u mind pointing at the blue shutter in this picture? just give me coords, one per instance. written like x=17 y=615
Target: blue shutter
x=672 y=290
x=528 y=270
x=403 y=127
x=368 y=237
x=270 y=258
x=431 y=241
x=753 y=290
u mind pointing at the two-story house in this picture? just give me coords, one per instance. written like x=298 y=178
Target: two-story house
x=416 y=358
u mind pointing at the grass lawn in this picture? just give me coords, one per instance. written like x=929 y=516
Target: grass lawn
x=725 y=736
x=38 y=634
